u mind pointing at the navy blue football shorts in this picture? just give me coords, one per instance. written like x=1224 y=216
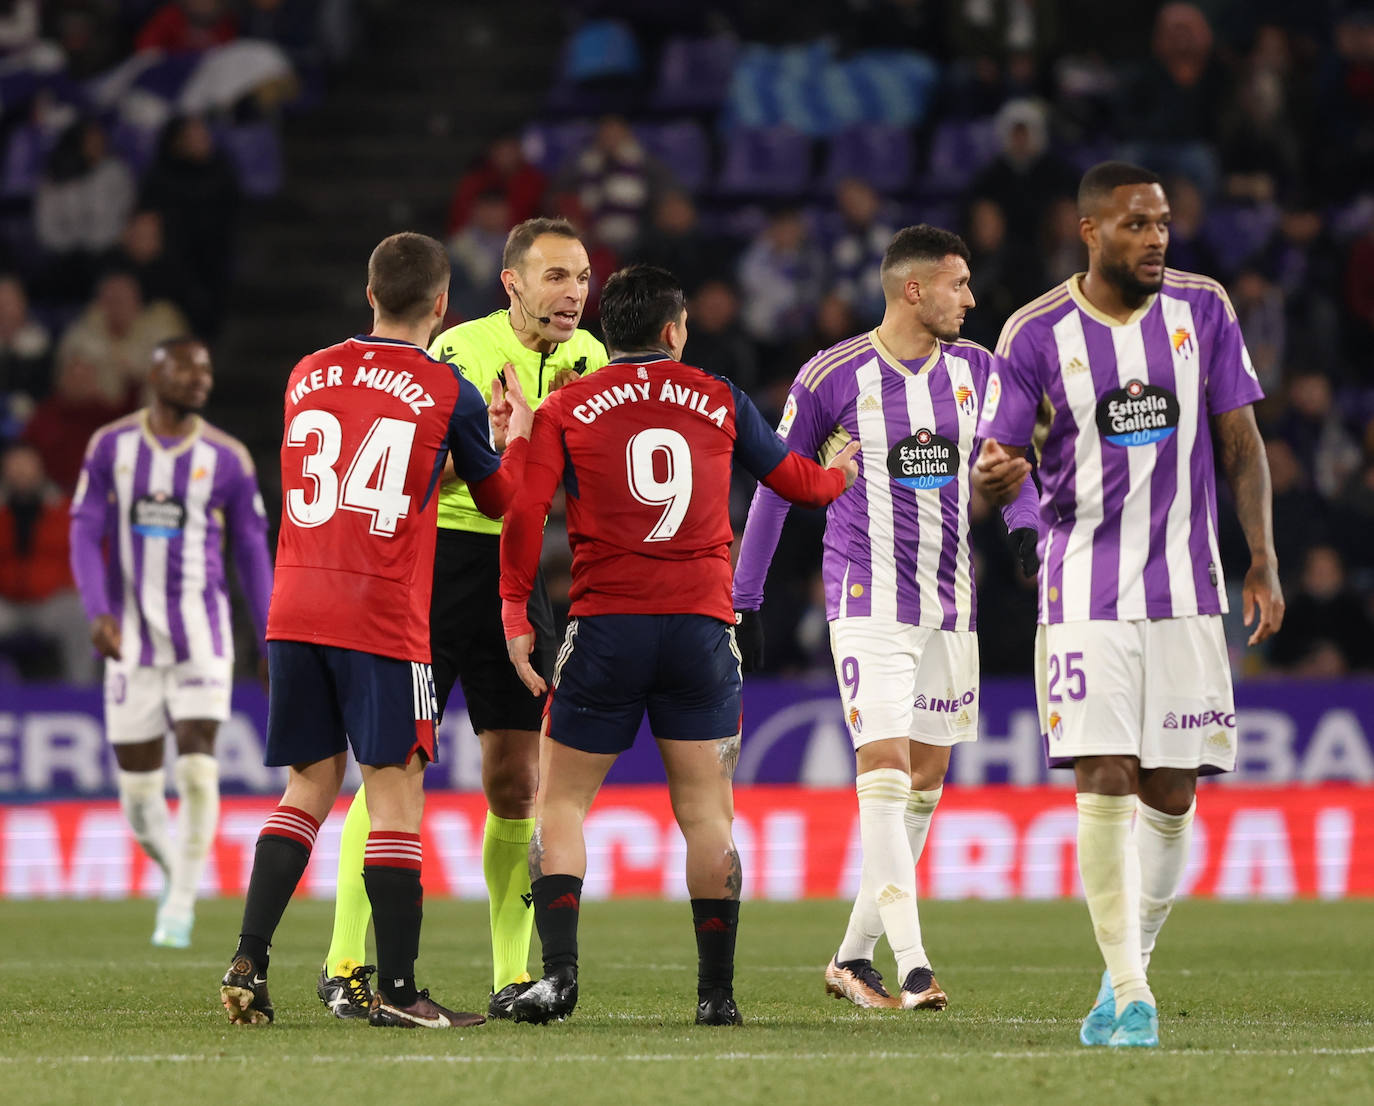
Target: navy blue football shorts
x=682 y=668
x=322 y=696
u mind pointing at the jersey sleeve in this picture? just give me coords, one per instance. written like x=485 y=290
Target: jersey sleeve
x=757 y=447
x=804 y=427
x=1231 y=378
x=90 y=516
x=1023 y=512
x=247 y=519
x=1013 y=391
x=469 y=434
x=522 y=536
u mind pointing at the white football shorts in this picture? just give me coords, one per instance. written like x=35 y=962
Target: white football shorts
x=139 y=699
x=1156 y=689
x=898 y=680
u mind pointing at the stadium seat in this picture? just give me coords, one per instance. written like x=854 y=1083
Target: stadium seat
x=255 y=150
x=875 y=152
x=547 y=145
x=694 y=74
x=766 y=162
x=598 y=49
x=28 y=148
x=958 y=150
x=681 y=145
x=1235 y=233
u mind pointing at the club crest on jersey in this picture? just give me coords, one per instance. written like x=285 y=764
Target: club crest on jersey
x=924 y=460
x=856 y=720
x=1138 y=414
x=1182 y=341
x=964 y=397
x=789 y=416
x=158 y=515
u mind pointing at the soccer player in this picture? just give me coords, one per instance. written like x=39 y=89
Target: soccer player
x=368 y=424
x=1143 y=369
x=644 y=451
x=898 y=575
x=546 y=274
x=157 y=492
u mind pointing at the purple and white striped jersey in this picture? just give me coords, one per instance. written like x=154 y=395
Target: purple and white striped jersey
x=1129 y=500
x=896 y=544
x=160 y=511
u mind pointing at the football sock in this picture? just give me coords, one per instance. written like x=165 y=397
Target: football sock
x=143 y=798
x=197 y=776
x=889 y=870
x=506 y=866
x=352 y=908
x=1163 y=841
x=557 y=904
x=1109 y=864
x=391 y=871
x=279 y=861
x=920 y=809
x=716 y=921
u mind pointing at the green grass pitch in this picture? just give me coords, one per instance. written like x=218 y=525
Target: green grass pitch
x=1259 y=1003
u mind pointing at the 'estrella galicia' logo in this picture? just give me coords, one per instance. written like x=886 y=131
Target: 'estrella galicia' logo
x=924 y=460
x=1137 y=414
x=157 y=516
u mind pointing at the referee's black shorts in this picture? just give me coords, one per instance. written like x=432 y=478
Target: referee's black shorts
x=468 y=642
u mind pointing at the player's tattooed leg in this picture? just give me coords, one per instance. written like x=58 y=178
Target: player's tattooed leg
x=734 y=877
x=727 y=750
x=536 y=855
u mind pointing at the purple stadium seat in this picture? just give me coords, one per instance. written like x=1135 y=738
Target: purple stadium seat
x=683 y=147
x=255 y=150
x=765 y=161
x=958 y=150
x=28 y=148
x=694 y=73
x=548 y=145
x=136 y=145
x=877 y=153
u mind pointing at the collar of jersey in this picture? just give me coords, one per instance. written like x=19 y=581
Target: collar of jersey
x=372 y=339
x=635 y=359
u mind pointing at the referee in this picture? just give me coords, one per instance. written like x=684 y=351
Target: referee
x=546 y=274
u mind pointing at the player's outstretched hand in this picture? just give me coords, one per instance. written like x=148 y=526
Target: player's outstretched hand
x=521 y=416
x=1262 y=591
x=844 y=460
x=749 y=640
x=997 y=473
x=498 y=410
x=520 y=649
x=106 y=636
x=1023 y=542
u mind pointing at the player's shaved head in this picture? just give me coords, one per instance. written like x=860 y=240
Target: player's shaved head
x=406 y=272
x=922 y=244
x=1103 y=179
x=636 y=304
x=522 y=236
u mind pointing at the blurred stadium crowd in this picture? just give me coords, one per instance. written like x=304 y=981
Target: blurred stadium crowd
x=766 y=161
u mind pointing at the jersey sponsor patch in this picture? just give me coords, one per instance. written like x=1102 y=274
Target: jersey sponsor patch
x=1138 y=414
x=158 y=515
x=924 y=460
x=992 y=397
x=789 y=416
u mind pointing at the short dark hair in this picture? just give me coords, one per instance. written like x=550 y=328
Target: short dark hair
x=637 y=302
x=175 y=342
x=922 y=242
x=522 y=236
x=1106 y=177
x=405 y=272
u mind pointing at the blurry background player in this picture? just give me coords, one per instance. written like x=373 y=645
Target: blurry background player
x=898 y=573
x=368 y=424
x=546 y=275
x=1142 y=367
x=644 y=450
x=156 y=494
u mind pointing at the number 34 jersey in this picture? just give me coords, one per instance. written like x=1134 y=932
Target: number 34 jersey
x=368 y=425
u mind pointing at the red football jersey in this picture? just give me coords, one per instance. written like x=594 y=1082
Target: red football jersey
x=368 y=424
x=644 y=450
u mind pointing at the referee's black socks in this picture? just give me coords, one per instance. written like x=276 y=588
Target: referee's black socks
x=716 y=922
x=557 y=906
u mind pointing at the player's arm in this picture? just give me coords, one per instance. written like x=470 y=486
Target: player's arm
x=247 y=519
x=451 y=348
x=522 y=539
x=90 y=517
x=1247 y=471
x=492 y=480
x=1010 y=401
x=796 y=478
x=1021 y=514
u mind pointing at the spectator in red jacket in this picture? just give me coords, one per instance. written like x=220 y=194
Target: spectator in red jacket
x=37 y=596
x=503 y=169
x=62 y=424
x=188 y=26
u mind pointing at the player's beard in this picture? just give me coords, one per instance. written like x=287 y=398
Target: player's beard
x=1134 y=291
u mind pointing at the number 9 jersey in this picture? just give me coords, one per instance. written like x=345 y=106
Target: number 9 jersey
x=368 y=425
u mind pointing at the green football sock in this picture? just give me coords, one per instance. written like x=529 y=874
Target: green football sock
x=352 y=910
x=506 y=866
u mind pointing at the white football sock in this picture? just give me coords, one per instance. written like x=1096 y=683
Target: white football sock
x=143 y=798
x=197 y=777
x=1163 y=841
x=1109 y=863
x=920 y=808
x=889 y=870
